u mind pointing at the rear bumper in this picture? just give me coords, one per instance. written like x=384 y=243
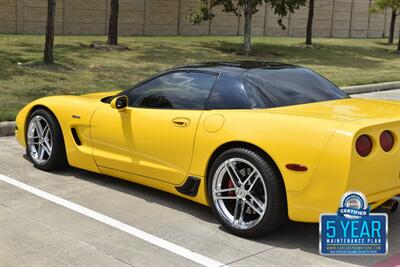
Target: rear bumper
x=377 y=199
x=309 y=209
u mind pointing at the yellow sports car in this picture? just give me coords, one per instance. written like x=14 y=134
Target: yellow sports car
x=258 y=142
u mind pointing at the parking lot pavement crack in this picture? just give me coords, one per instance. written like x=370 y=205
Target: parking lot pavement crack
x=5 y=206
x=265 y=250
x=105 y=253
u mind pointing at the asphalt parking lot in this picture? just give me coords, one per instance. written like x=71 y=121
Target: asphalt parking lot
x=35 y=231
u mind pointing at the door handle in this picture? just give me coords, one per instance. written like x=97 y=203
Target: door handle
x=181 y=122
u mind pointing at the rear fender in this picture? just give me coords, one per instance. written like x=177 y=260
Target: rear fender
x=285 y=138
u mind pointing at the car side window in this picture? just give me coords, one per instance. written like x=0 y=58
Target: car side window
x=258 y=99
x=229 y=93
x=176 y=90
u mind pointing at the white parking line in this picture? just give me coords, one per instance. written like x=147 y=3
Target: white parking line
x=178 y=250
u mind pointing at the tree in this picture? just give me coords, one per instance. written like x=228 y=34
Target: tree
x=392 y=24
x=246 y=7
x=48 y=49
x=380 y=5
x=398 y=45
x=310 y=22
x=113 y=24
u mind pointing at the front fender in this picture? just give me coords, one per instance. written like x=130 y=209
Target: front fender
x=71 y=112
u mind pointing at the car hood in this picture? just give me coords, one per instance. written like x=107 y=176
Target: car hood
x=100 y=95
x=349 y=109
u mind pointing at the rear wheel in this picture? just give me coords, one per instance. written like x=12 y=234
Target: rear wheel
x=246 y=193
x=45 y=143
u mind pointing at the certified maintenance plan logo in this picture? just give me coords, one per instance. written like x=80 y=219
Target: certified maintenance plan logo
x=353 y=230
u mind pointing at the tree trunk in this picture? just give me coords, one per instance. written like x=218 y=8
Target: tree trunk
x=310 y=22
x=247 y=31
x=113 y=23
x=48 y=49
x=392 y=24
x=398 y=45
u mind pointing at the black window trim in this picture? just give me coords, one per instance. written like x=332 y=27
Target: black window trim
x=170 y=72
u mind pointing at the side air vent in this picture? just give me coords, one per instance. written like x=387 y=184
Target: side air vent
x=76 y=137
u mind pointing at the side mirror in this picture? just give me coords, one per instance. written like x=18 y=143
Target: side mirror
x=120 y=102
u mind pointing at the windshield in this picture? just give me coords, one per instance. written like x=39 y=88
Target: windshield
x=288 y=86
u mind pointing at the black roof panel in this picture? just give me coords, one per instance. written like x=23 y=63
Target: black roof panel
x=235 y=66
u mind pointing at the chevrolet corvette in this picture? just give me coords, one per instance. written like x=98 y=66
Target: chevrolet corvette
x=258 y=142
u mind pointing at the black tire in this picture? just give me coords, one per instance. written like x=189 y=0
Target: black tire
x=276 y=208
x=57 y=159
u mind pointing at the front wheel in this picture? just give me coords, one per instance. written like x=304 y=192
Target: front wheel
x=246 y=193
x=45 y=142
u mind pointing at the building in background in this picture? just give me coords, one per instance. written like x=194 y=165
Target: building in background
x=333 y=18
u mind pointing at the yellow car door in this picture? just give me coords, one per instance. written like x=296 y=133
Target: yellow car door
x=154 y=136
x=164 y=142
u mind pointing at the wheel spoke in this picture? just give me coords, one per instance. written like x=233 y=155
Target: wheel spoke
x=46 y=131
x=235 y=184
x=235 y=177
x=47 y=145
x=241 y=212
x=254 y=182
x=257 y=201
x=234 y=172
x=46 y=149
x=225 y=190
x=253 y=208
x=39 y=127
x=236 y=211
x=251 y=175
x=225 y=197
x=40 y=152
x=32 y=138
x=32 y=143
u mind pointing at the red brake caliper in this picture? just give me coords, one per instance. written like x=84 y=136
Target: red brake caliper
x=231 y=185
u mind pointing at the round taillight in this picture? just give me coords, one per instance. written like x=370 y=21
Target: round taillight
x=364 y=145
x=386 y=140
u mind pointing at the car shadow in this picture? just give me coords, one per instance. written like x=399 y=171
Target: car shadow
x=292 y=235
x=140 y=191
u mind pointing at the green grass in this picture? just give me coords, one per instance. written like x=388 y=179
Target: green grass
x=80 y=69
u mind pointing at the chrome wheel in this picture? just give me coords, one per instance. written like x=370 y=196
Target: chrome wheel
x=39 y=139
x=239 y=193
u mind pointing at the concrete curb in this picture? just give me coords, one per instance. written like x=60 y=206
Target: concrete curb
x=8 y=127
x=369 y=88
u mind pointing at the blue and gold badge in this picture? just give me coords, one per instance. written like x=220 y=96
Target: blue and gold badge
x=353 y=230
